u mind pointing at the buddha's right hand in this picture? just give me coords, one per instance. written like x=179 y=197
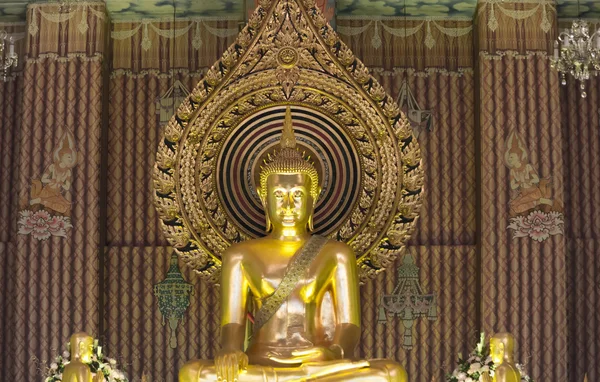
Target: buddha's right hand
x=229 y=363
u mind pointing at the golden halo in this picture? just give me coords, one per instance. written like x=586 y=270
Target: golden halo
x=196 y=173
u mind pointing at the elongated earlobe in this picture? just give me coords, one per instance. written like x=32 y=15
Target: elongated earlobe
x=264 y=204
x=268 y=222
x=311 y=226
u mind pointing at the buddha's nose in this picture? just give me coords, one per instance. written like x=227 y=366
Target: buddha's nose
x=288 y=205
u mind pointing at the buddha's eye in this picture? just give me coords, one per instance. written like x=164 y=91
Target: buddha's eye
x=278 y=194
x=297 y=194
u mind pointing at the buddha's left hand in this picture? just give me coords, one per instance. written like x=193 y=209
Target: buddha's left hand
x=314 y=354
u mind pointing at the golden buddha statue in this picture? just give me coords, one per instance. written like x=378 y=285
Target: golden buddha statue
x=501 y=351
x=298 y=333
x=81 y=345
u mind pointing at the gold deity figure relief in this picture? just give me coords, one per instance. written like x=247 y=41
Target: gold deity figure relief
x=533 y=210
x=285 y=276
x=531 y=192
x=56 y=180
x=47 y=209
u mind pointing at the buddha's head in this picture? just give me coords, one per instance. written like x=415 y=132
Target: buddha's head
x=81 y=345
x=289 y=186
x=501 y=347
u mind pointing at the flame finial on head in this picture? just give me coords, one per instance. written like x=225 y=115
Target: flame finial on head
x=288 y=139
x=288 y=160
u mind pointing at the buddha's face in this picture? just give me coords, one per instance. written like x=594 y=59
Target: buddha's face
x=87 y=346
x=288 y=202
x=82 y=347
x=496 y=350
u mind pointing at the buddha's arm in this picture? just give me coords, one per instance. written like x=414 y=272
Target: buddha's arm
x=234 y=294
x=346 y=300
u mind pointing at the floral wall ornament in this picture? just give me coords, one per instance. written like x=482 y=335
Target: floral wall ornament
x=419 y=119
x=404 y=32
x=408 y=301
x=508 y=9
x=62 y=14
x=47 y=210
x=538 y=225
x=170 y=101
x=533 y=210
x=155 y=26
x=41 y=224
x=173 y=295
x=492 y=21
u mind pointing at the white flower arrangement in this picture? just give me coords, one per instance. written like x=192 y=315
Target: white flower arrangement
x=99 y=363
x=477 y=363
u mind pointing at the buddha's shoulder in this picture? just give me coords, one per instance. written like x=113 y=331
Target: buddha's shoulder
x=241 y=247
x=257 y=247
x=246 y=247
x=338 y=248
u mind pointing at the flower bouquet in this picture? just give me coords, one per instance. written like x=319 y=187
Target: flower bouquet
x=99 y=363
x=477 y=363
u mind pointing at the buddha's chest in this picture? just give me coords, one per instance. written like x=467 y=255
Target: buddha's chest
x=305 y=282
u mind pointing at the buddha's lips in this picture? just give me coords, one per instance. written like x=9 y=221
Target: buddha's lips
x=289 y=218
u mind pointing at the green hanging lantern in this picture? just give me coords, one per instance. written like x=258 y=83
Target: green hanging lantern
x=173 y=295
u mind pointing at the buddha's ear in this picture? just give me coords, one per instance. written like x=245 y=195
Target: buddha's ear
x=267 y=221
x=261 y=196
x=311 y=226
x=80 y=348
x=263 y=200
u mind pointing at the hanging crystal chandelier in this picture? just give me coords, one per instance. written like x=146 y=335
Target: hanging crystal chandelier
x=8 y=58
x=578 y=53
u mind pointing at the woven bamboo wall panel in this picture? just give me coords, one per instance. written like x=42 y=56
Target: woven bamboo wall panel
x=519 y=26
x=134 y=326
x=581 y=144
x=451 y=273
x=524 y=281
x=57 y=278
x=10 y=123
x=377 y=47
x=7 y=304
x=448 y=214
x=55 y=31
x=149 y=47
x=133 y=134
x=56 y=285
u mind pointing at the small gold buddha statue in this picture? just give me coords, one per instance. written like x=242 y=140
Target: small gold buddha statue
x=501 y=350
x=81 y=347
x=304 y=289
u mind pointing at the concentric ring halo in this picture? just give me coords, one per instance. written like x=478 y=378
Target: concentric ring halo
x=361 y=144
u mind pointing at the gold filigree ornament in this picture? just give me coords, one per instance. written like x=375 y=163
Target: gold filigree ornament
x=288 y=55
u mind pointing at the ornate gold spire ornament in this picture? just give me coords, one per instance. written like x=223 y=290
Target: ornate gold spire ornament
x=288 y=61
x=288 y=139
